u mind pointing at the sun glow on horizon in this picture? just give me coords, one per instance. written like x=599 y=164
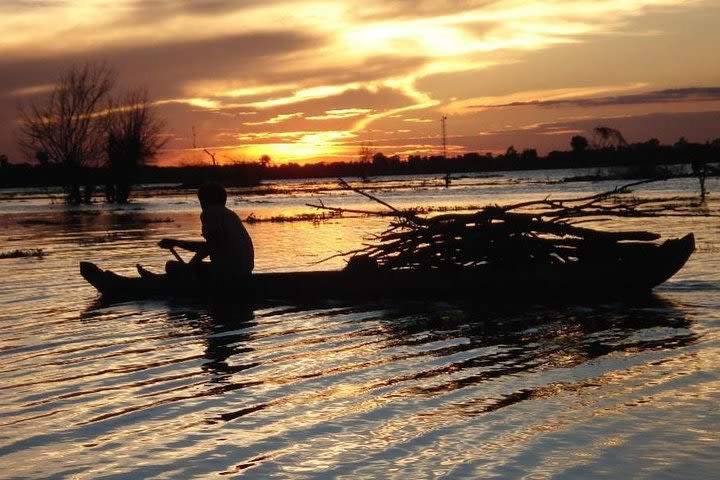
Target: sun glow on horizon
x=312 y=80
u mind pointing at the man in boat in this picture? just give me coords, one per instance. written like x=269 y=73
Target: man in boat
x=227 y=242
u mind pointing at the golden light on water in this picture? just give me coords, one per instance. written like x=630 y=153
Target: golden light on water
x=329 y=388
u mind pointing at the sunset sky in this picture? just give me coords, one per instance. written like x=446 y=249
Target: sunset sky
x=314 y=80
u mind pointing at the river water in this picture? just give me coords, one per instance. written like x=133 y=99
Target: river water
x=483 y=388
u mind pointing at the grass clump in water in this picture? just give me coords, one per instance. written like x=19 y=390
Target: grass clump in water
x=300 y=217
x=33 y=252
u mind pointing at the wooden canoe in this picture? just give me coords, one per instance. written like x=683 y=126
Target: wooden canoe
x=636 y=269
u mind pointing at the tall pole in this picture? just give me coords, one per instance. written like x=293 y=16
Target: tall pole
x=444 y=152
x=444 y=137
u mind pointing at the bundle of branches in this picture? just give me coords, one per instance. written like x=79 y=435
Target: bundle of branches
x=543 y=231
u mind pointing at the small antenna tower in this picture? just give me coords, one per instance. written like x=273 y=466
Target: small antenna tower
x=444 y=136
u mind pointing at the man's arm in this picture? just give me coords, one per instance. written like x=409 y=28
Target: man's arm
x=198 y=246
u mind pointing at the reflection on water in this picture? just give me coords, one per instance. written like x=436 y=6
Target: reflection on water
x=474 y=389
x=336 y=389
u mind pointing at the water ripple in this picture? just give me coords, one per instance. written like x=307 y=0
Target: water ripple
x=503 y=389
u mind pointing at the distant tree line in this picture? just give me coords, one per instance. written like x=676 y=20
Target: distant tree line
x=81 y=126
x=603 y=150
x=645 y=159
x=127 y=135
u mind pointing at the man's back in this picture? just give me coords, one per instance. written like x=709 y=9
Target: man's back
x=231 y=248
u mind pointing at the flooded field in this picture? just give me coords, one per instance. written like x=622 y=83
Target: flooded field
x=480 y=388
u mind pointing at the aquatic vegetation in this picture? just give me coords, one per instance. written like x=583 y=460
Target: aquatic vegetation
x=146 y=221
x=39 y=221
x=108 y=237
x=32 y=252
x=301 y=217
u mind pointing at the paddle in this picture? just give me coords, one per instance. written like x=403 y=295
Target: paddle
x=176 y=255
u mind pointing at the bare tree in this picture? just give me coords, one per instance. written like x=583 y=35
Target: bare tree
x=67 y=126
x=606 y=137
x=212 y=156
x=365 y=153
x=365 y=156
x=579 y=144
x=133 y=137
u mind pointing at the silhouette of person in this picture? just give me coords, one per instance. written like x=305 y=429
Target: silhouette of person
x=227 y=242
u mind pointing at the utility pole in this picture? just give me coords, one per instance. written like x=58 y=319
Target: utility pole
x=444 y=151
x=444 y=136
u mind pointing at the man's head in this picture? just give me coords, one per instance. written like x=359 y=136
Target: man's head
x=212 y=194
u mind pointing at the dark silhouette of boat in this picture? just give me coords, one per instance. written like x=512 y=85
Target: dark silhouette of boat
x=631 y=269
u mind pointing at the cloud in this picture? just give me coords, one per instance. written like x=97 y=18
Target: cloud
x=413 y=9
x=31 y=90
x=353 y=67
x=146 y=10
x=693 y=94
x=468 y=105
x=340 y=113
x=667 y=127
x=237 y=88
x=276 y=119
x=168 y=67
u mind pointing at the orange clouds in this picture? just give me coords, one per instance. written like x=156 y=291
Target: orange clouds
x=312 y=79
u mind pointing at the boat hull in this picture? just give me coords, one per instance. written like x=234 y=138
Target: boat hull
x=638 y=270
